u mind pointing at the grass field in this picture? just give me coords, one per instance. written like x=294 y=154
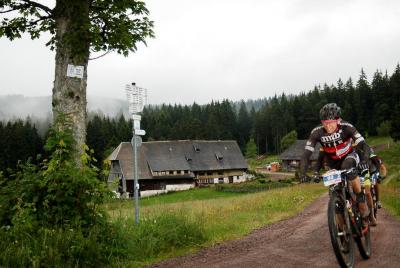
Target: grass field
x=373 y=141
x=218 y=218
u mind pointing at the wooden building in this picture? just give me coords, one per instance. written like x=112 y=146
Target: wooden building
x=177 y=165
x=291 y=156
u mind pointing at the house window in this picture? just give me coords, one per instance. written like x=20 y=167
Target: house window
x=209 y=173
x=220 y=180
x=171 y=172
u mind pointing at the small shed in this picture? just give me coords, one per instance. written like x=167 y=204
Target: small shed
x=291 y=156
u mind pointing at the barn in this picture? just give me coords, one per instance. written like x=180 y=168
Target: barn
x=176 y=165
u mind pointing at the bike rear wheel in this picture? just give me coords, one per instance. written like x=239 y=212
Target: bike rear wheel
x=340 y=232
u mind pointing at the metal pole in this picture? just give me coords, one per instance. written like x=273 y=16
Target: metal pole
x=135 y=177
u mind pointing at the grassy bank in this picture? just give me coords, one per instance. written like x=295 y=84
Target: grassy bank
x=210 y=221
x=391 y=191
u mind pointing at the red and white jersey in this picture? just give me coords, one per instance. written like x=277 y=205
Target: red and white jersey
x=338 y=144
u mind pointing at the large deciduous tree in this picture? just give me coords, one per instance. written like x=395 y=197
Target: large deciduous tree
x=77 y=28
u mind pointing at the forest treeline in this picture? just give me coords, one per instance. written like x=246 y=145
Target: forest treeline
x=373 y=107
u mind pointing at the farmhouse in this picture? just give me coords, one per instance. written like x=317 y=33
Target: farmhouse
x=177 y=165
x=291 y=156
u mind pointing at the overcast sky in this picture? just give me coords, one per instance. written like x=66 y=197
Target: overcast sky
x=215 y=49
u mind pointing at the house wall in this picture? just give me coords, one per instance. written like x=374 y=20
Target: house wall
x=115 y=171
x=179 y=187
x=169 y=188
x=231 y=176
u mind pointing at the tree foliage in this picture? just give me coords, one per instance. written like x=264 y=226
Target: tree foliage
x=107 y=26
x=288 y=140
x=251 y=149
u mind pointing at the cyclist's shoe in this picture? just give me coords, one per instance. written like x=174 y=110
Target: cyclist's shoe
x=379 y=204
x=372 y=219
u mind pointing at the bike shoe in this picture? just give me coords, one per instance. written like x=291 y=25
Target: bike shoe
x=372 y=220
x=379 y=204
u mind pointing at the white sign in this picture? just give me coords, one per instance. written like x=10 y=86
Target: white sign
x=75 y=71
x=137 y=98
x=136 y=117
x=136 y=124
x=140 y=132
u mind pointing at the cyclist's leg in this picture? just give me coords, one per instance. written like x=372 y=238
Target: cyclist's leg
x=370 y=202
x=349 y=162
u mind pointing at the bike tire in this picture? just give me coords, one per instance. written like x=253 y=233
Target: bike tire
x=342 y=242
x=364 y=244
x=374 y=201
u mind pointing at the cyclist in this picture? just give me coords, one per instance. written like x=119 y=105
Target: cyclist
x=335 y=137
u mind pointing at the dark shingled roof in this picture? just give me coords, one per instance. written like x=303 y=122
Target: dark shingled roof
x=296 y=150
x=180 y=155
x=123 y=153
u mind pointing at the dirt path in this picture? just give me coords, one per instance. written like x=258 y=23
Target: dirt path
x=302 y=241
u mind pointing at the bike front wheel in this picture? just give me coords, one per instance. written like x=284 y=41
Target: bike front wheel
x=364 y=243
x=340 y=231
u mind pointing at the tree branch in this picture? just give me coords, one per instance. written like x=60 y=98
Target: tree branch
x=6 y=11
x=32 y=23
x=38 y=5
x=95 y=58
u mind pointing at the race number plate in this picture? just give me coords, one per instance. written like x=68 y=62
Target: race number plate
x=332 y=177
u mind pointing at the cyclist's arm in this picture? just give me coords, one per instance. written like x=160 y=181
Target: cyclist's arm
x=320 y=161
x=308 y=150
x=360 y=143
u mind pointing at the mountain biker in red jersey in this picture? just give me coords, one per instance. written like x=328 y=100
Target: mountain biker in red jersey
x=335 y=137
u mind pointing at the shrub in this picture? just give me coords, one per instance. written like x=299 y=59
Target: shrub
x=50 y=213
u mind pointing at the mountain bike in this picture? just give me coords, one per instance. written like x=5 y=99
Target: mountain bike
x=344 y=219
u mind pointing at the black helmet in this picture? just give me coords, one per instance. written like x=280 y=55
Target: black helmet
x=330 y=111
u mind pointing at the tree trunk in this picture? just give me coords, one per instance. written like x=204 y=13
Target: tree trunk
x=69 y=93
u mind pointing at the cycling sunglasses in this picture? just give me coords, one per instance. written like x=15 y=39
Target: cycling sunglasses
x=330 y=121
